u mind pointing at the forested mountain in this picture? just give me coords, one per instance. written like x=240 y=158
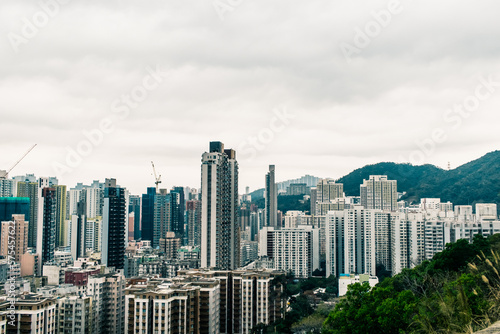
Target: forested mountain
x=475 y=182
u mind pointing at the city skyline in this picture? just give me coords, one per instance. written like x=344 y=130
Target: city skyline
x=170 y=186
x=238 y=167
x=397 y=86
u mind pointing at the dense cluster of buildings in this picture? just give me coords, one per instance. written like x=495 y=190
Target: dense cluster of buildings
x=97 y=259
x=358 y=234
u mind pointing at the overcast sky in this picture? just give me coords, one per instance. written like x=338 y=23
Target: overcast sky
x=315 y=87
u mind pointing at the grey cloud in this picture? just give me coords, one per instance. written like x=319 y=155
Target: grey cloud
x=226 y=78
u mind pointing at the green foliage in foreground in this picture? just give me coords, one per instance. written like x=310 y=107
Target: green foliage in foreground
x=445 y=295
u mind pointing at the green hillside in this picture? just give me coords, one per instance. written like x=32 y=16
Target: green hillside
x=456 y=292
x=475 y=182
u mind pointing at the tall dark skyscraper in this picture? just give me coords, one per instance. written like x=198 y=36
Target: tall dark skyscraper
x=148 y=214
x=46 y=237
x=135 y=207
x=114 y=226
x=78 y=231
x=220 y=234
x=271 y=198
x=178 y=204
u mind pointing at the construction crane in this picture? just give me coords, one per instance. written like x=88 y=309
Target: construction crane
x=157 y=178
x=5 y=174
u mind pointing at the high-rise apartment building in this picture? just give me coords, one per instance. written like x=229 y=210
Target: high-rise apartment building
x=350 y=242
x=291 y=249
x=7 y=187
x=271 y=198
x=244 y=211
x=193 y=211
x=296 y=189
x=384 y=223
x=308 y=180
x=314 y=198
x=46 y=227
x=170 y=244
x=249 y=252
x=93 y=237
x=47 y=182
x=486 y=211
x=135 y=207
x=327 y=196
x=322 y=208
x=148 y=214
x=219 y=224
x=400 y=243
x=94 y=195
x=247 y=298
x=415 y=238
x=178 y=207
x=434 y=237
x=78 y=232
x=162 y=216
x=189 y=305
x=74 y=196
x=253 y=226
x=468 y=231
x=17 y=230
x=61 y=239
x=379 y=193
x=30 y=190
x=114 y=226
x=74 y=314
x=328 y=190
x=163 y=311
x=34 y=314
x=130 y=226
x=108 y=303
x=463 y=213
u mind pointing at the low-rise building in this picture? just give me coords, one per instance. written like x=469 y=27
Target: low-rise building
x=345 y=280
